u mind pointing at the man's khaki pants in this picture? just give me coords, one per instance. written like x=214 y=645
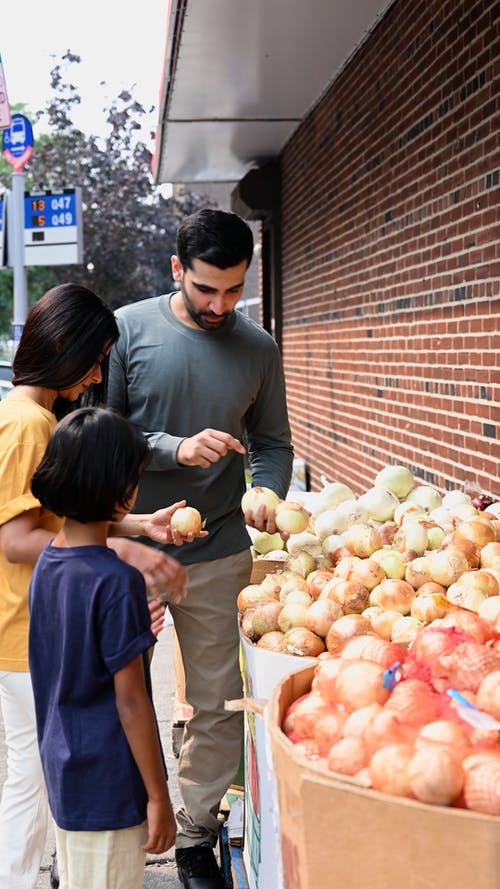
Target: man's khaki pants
x=206 y=624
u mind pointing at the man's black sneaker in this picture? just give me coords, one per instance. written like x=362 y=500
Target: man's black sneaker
x=198 y=869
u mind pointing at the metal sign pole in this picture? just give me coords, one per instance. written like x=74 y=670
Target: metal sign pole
x=20 y=307
x=17 y=147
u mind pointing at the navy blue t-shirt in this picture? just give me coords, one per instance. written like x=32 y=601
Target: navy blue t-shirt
x=88 y=619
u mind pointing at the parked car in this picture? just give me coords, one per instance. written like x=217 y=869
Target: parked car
x=5 y=370
x=5 y=387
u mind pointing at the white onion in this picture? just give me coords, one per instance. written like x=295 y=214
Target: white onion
x=321 y=615
x=442 y=517
x=273 y=583
x=482 y=787
x=418 y=572
x=392 y=562
x=490 y=609
x=488 y=695
x=351 y=595
x=353 y=649
x=444 y=732
x=479 y=531
x=292 y=581
x=389 y=769
x=357 y=721
x=304 y=542
x=186 y=520
x=383 y=623
x=250 y=594
x=464 y=511
x=466 y=596
x=481 y=580
x=291 y=517
x=296 y=597
x=405 y=630
x=328 y=730
x=494 y=510
x=407 y=508
x=308 y=709
x=264 y=543
x=303 y=642
x=364 y=571
x=447 y=565
x=292 y=615
x=393 y=595
x=412 y=539
x=253 y=498
x=490 y=556
x=334 y=493
x=335 y=521
x=436 y=775
x=347 y=756
x=426 y=497
x=345 y=628
x=397 y=479
x=326 y=677
x=435 y=536
x=301 y=563
x=265 y=618
x=379 y=504
x=362 y=540
x=317 y=579
x=428 y=607
x=360 y=683
x=273 y=641
x=455 y=498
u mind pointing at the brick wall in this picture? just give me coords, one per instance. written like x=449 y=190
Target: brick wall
x=391 y=303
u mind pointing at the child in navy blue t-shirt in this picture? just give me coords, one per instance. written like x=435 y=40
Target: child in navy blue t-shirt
x=90 y=631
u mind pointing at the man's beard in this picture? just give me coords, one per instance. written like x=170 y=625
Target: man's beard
x=200 y=318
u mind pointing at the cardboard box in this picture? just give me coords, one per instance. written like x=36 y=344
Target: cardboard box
x=261 y=567
x=261 y=672
x=335 y=833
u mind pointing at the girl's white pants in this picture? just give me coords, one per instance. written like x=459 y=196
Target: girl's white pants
x=23 y=809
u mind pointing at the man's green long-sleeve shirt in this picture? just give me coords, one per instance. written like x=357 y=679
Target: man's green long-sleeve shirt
x=173 y=381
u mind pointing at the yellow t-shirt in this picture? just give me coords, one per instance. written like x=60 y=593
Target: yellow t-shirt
x=25 y=428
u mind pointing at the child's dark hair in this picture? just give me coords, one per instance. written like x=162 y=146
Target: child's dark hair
x=92 y=463
x=214 y=236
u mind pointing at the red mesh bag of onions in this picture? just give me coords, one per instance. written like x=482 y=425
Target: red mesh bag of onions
x=429 y=645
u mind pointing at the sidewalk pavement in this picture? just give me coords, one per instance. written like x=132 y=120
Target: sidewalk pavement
x=160 y=871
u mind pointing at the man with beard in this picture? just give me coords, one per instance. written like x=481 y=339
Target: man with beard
x=206 y=385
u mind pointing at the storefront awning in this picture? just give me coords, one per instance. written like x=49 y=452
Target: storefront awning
x=240 y=75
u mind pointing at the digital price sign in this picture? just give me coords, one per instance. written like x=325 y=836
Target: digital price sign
x=50 y=211
x=53 y=227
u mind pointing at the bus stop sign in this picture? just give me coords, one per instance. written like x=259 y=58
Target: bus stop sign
x=17 y=142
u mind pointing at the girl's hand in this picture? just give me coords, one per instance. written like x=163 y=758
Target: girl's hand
x=161 y=826
x=157 y=526
x=165 y=577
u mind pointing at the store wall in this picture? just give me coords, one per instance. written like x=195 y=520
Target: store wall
x=390 y=260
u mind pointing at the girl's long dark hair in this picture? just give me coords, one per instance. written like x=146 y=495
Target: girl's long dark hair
x=66 y=333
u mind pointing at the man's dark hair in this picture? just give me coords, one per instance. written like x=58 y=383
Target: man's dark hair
x=66 y=333
x=92 y=463
x=214 y=236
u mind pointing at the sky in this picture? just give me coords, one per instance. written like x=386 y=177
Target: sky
x=121 y=42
